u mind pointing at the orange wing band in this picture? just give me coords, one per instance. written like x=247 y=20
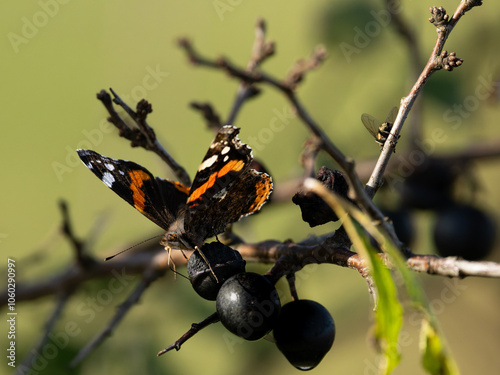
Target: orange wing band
x=234 y=165
x=137 y=178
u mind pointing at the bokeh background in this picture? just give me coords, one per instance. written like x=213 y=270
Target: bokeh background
x=56 y=55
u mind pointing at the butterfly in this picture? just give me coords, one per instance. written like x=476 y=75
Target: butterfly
x=224 y=190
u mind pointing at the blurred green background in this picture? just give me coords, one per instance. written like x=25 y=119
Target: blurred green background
x=57 y=55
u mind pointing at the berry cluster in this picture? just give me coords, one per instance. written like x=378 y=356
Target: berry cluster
x=248 y=305
x=460 y=229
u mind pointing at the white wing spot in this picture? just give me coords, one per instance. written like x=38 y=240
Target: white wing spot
x=226 y=158
x=220 y=194
x=108 y=179
x=109 y=167
x=225 y=150
x=208 y=163
x=89 y=165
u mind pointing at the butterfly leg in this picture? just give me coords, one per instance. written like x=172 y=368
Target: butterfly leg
x=170 y=261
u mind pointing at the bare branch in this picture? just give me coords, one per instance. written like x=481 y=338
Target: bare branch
x=453 y=267
x=151 y=274
x=415 y=58
x=211 y=117
x=301 y=67
x=291 y=257
x=195 y=328
x=142 y=136
x=133 y=264
x=327 y=145
x=49 y=326
x=438 y=59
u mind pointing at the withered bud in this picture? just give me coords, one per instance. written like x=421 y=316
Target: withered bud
x=314 y=209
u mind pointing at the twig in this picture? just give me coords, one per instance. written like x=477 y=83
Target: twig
x=49 y=326
x=414 y=55
x=289 y=256
x=151 y=274
x=142 y=136
x=453 y=267
x=211 y=117
x=82 y=259
x=475 y=151
x=312 y=147
x=195 y=328
x=438 y=59
x=286 y=257
x=124 y=267
x=291 y=284
x=301 y=67
x=261 y=50
x=245 y=92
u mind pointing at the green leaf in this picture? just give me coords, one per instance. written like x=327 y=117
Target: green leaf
x=435 y=358
x=388 y=313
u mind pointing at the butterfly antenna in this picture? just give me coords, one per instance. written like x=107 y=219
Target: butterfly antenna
x=206 y=261
x=178 y=273
x=131 y=247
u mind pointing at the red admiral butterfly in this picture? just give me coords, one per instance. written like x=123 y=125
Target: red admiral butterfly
x=224 y=190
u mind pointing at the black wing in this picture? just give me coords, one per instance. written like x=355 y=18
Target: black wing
x=224 y=188
x=158 y=199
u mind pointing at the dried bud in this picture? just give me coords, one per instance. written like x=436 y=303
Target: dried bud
x=144 y=107
x=439 y=17
x=314 y=210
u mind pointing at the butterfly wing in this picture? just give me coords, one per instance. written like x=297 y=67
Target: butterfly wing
x=158 y=199
x=225 y=189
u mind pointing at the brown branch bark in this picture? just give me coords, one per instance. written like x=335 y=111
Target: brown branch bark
x=438 y=59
